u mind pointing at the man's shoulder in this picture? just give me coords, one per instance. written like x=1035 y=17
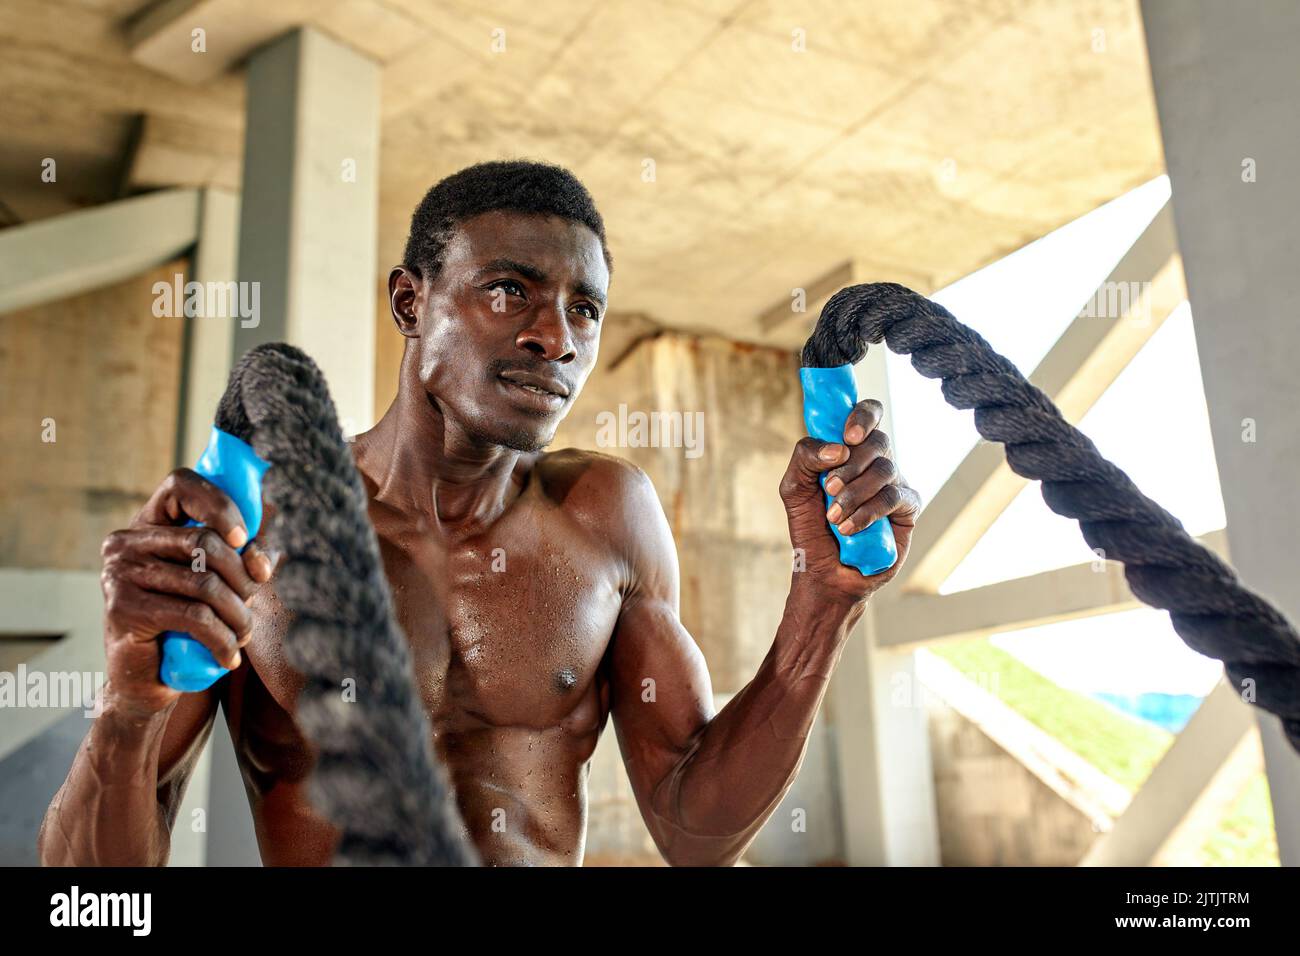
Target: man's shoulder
x=615 y=500
x=592 y=480
x=597 y=464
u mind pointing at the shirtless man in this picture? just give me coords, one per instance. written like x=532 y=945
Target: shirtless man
x=500 y=298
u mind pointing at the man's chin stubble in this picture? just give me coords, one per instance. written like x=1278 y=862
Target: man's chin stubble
x=518 y=439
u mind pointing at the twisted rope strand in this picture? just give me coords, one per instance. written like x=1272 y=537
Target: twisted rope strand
x=376 y=778
x=1165 y=567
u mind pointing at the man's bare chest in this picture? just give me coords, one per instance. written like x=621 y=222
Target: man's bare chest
x=509 y=628
x=506 y=629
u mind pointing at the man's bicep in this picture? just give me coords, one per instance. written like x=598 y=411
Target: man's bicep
x=661 y=697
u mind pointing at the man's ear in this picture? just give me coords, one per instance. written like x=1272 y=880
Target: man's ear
x=403 y=290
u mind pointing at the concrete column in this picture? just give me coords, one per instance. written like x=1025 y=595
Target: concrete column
x=309 y=213
x=232 y=840
x=882 y=742
x=307 y=236
x=189 y=846
x=1226 y=85
x=208 y=338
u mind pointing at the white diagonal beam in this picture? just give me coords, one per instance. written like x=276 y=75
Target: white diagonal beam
x=1062 y=594
x=162 y=37
x=816 y=295
x=66 y=255
x=1182 y=775
x=1085 y=360
x=50 y=602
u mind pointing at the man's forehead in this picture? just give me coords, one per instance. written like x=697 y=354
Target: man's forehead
x=549 y=242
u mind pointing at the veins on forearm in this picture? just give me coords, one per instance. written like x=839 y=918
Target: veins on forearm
x=760 y=736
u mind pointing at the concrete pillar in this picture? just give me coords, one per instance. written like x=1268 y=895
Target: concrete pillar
x=881 y=740
x=1226 y=85
x=206 y=354
x=189 y=846
x=307 y=236
x=309 y=213
x=232 y=840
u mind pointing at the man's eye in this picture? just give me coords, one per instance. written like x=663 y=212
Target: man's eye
x=508 y=286
x=589 y=311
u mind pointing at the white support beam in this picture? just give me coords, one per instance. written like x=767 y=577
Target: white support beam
x=66 y=255
x=1086 y=359
x=209 y=340
x=816 y=295
x=882 y=738
x=163 y=38
x=67 y=603
x=1226 y=87
x=178 y=152
x=1062 y=594
x=1083 y=786
x=309 y=210
x=1182 y=775
x=70 y=603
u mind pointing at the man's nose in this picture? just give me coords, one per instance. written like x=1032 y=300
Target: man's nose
x=548 y=335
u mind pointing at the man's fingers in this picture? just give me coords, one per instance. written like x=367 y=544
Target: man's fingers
x=198 y=549
x=897 y=502
x=185 y=495
x=861 y=457
x=811 y=457
x=146 y=615
x=260 y=560
x=160 y=577
x=860 y=490
x=866 y=415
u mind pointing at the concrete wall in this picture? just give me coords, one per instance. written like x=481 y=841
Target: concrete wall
x=114 y=399
x=992 y=810
x=804 y=830
x=107 y=371
x=723 y=506
x=733 y=546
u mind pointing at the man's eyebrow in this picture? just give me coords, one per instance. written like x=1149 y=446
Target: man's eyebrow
x=535 y=274
x=512 y=265
x=590 y=291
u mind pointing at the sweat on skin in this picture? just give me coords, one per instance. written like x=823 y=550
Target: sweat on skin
x=519 y=670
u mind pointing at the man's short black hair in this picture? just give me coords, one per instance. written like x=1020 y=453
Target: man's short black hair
x=513 y=185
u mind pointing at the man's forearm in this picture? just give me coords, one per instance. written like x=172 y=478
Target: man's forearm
x=107 y=811
x=744 y=760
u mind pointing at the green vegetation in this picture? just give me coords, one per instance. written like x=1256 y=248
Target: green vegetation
x=1122 y=747
x=1246 y=836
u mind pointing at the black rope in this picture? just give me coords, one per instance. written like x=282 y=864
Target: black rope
x=376 y=777
x=1165 y=567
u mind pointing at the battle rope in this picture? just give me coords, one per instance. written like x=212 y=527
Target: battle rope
x=375 y=779
x=1165 y=567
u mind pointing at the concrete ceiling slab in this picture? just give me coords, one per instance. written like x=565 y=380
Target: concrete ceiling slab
x=919 y=139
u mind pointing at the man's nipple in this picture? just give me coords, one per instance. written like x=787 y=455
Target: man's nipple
x=566 y=679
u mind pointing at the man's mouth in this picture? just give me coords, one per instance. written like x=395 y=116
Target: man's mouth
x=542 y=392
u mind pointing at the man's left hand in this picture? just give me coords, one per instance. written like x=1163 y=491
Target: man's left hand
x=865 y=485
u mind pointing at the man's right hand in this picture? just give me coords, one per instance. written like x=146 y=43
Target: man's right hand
x=161 y=576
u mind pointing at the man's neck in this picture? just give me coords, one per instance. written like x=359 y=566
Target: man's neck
x=424 y=465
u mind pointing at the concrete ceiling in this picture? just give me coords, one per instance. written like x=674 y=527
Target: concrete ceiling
x=916 y=139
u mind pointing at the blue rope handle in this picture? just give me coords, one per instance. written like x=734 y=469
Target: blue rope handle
x=233 y=466
x=829 y=395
